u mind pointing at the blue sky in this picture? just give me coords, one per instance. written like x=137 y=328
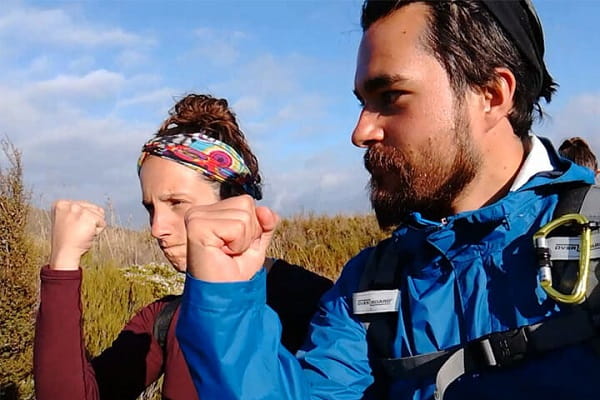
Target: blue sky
x=85 y=83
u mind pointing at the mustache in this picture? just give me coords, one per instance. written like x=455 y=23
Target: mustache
x=381 y=159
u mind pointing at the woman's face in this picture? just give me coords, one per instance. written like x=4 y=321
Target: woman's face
x=168 y=190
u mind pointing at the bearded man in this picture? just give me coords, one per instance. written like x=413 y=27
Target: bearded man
x=450 y=305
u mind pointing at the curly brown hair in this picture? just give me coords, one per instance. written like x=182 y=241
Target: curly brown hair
x=212 y=116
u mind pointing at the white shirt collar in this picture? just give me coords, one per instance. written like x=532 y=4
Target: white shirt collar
x=537 y=161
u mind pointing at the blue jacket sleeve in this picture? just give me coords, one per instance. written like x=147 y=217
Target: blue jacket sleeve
x=231 y=341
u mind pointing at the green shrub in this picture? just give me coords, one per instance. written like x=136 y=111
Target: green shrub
x=18 y=278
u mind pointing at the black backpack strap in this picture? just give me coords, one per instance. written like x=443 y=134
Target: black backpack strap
x=163 y=320
x=497 y=350
x=381 y=275
x=504 y=349
x=571 y=199
x=377 y=274
x=590 y=207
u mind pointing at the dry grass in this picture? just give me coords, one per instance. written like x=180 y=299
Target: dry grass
x=323 y=244
x=120 y=245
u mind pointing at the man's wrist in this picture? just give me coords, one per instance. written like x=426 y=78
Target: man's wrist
x=220 y=296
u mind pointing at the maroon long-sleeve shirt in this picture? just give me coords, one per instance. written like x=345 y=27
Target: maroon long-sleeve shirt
x=135 y=359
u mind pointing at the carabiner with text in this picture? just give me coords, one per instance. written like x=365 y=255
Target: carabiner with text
x=578 y=294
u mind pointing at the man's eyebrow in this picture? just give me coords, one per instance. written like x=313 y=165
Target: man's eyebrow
x=379 y=82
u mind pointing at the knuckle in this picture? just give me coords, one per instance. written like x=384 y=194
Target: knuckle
x=193 y=224
x=245 y=217
x=247 y=200
x=60 y=204
x=239 y=227
x=189 y=217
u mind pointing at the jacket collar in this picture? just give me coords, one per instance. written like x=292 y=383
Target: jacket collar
x=537 y=161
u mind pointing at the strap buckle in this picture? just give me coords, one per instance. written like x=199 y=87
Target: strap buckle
x=503 y=349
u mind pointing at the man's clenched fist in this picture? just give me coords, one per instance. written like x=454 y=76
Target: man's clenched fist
x=227 y=241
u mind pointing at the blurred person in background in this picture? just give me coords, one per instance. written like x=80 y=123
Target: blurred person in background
x=579 y=151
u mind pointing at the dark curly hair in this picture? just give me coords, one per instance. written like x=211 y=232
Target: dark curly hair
x=202 y=112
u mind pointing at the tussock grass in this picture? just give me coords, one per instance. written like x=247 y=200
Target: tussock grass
x=324 y=244
x=112 y=294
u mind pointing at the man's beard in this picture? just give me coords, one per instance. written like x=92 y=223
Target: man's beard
x=426 y=183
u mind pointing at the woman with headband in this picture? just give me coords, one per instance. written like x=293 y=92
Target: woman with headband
x=198 y=157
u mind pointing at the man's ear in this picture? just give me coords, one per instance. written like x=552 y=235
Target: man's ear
x=498 y=97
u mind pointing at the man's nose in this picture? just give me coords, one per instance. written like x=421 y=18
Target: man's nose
x=367 y=131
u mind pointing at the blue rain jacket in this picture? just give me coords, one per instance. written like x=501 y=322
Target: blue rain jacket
x=473 y=275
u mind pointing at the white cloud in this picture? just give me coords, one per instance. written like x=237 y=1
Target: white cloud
x=161 y=96
x=579 y=117
x=247 y=105
x=266 y=76
x=56 y=26
x=94 y=84
x=39 y=64
x=81 y=64
x=329 y=181
x=298 y=118
x=219 y=46
x=130 y=58
x=278 y=105
x=588 y=104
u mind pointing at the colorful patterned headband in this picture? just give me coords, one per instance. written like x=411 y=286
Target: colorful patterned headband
x=214 y=159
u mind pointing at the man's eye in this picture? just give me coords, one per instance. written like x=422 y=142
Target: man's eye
x=390 y=96
x=175 y=202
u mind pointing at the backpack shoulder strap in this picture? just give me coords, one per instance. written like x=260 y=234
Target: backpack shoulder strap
x=590 y=206
x=163 y=320
x=375 y=275
x=579 y=199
